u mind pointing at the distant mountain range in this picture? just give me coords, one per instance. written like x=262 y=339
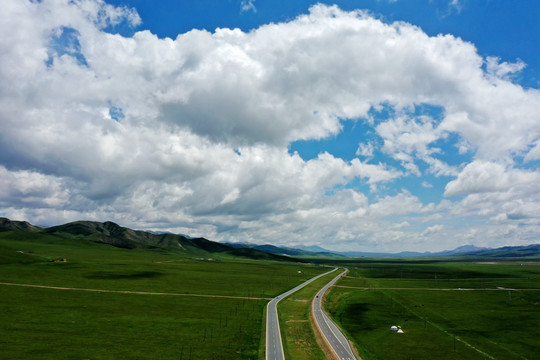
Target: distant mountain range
x=289 y=251
x=458 y=251
x=462 y=251
x=116 y=235
x=508 y=251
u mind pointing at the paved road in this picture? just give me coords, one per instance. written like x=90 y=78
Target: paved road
x=333 y=336
x=274 y=346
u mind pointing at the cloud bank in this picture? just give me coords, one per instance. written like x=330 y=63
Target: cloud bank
x=192 y=134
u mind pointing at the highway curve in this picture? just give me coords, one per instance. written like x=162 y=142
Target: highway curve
x=329 y=330
x=274 y=346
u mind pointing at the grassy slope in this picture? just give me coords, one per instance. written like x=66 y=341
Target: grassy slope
x=47 y=323
x=487 y=323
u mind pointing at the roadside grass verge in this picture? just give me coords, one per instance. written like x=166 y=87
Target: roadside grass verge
x=299 y=342
x=262 y=341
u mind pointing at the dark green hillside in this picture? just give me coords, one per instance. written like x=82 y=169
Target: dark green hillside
x=260 y=255
x=109 y=233
x=7 y=225
x=122 y=237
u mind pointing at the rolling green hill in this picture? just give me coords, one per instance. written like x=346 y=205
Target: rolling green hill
x=7 y=225
x=122 y=237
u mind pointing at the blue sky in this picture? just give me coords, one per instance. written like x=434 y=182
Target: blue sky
x=353 y=125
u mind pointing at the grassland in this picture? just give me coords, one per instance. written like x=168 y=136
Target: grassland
x=46 y=323
x=447 y=310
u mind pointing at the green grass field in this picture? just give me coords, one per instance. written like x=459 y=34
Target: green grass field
x=45 y=323
x=112 y=303
x=447 y=310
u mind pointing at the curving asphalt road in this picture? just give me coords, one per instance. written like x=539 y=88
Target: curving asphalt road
x=274 y=346
x=330 y=331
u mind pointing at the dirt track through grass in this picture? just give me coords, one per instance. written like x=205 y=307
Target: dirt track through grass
x=133 y=292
